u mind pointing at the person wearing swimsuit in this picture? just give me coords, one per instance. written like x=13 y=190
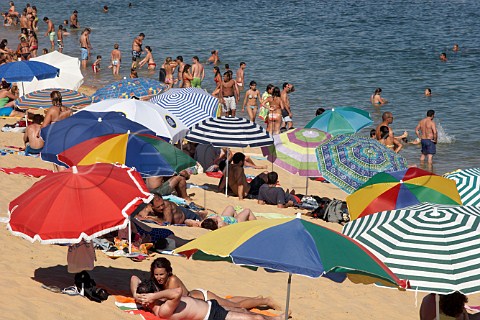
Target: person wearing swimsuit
x=218 y=81
x=376 y=98
x=169 y=66
x=250 y=100
x=148 y=59
x=33 y=43
x=387 y=140
x=187 y=76
x=274 y=111
x=23 y=49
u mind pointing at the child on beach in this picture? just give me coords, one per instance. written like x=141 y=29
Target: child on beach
x=148 y=59
x=116 y=57
x=60 y=33
x=96 y=64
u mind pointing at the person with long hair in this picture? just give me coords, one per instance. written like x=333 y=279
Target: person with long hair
x=57 y=111
x=218 y=81
x=187 y=76
x=376 y=98
x=250 y=101
x=161 y=273
x=274 y=111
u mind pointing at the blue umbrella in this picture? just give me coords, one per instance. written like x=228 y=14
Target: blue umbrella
x=129 y=88
x=27 y=70
x=82 y=126
x=190 y=105
x=341 y=120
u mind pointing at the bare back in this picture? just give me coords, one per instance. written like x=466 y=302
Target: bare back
x=428 y=128
x=32 y=136
x=197 y=70
x=186 y=309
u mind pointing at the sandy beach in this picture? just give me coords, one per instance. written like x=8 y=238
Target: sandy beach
x=28 y=266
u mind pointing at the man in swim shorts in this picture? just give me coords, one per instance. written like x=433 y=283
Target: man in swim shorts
x=74 y=24
x=137 y=49
x=85 y=46
x=116 y=57
x=33 y=142
x=169 y=304
x=50 y=32
x=286 y=111
x=198 y=73
x=228 y=95
x=426 y=130
x=239 y=78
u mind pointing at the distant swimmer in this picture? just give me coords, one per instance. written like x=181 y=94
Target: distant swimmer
x=74 y=24
x=319 y=111
x=214 y=58
x=443 y=57
x=456 y=48
x=376 y=98
x=428 y=92
x=426 y=130
x=105 y=9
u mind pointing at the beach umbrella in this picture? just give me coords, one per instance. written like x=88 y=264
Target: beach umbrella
x=80 y=203
x=70 y=76
x=294 y=246
x=294 y=151
x=229 y=132
x=41 y=99
x=129 y=88
x=20 y=71
x=82 y=126
x=190 y=105
x=436 y=247
x=468 y=185
x=349 y=161
x=149 y=155
x=148 y=114
x=341 y=120
x=400 y=189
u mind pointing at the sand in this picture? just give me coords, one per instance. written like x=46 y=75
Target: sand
x=26 y=266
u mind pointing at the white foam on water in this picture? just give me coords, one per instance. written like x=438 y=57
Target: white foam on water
x=443 y=137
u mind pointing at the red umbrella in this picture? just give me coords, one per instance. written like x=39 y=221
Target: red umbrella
x=79 y=203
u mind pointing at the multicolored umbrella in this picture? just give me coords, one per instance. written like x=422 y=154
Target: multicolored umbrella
x=341 y=120
x=349 y=161
x=41 y=99
x=129 y=88
x=400 y=189
x=291 y=245
x=435 y=247
x=190 y=105
x=19 y=71
x=294 y=151
x=468 y=185
x=148 y=114
x=82 y=126
x=77 y=204
x=149 y=155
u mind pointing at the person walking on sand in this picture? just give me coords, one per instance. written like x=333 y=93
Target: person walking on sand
x=116 y=58
x=228 y=95
x=198 y=73
x=137 y=49
x=50 y=32
x=85 y=46
x=426 y=130
x=250 y=100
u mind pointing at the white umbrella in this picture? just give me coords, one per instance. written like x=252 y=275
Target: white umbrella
x=70 y=76
x=148 y=114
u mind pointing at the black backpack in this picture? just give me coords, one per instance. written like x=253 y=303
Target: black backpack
x=85 y=282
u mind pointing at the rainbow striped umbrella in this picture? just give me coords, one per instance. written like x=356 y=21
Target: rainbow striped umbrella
x=291 y=245
x=400 y=189
x=129 y=88
x=148 y=154
x=468 y=185
x=41 y=99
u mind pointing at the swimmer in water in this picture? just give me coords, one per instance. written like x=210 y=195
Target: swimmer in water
x=376 y=98
x=456 y=48
x=428 y=92
x=443 y=57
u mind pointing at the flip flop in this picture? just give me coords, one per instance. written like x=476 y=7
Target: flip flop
x=54 y=289
x=71 y=291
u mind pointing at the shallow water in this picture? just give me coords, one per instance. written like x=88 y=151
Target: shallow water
x=335 y=52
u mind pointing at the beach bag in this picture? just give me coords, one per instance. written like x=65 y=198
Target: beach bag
x=263 y=113
x=319 y=211
x=309 y=203
x=87 y=287
x=80 y=257
x=336 y=211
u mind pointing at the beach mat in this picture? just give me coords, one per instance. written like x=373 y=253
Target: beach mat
x=270 y=215
x=29 y=172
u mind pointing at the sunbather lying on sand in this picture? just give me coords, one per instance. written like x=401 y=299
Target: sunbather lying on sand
x=228 y=216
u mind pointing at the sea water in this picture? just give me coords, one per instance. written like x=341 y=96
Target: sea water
x=334 y=52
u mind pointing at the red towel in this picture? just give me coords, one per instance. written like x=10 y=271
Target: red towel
x=217 y=174
x=29 y=172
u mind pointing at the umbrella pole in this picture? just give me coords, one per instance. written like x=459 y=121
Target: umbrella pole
x=129 y=235
x=226 y=177
x=437 y=306
x=306 y=186
x=287 y=305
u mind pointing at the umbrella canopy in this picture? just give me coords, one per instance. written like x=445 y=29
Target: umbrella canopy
x=291 y=245
x=294 y=151
x=148 y=114
x=349 y=161
x=149 y=155
x=82 y=126
x=341 y=120
x=129 y=88
x=468 y=185
x=77 y=204
x=229 y=132
x=400 y=189
x=19 y=71
x=70 y=76
x=436 y=247
x=41 y=99
x=190 y=105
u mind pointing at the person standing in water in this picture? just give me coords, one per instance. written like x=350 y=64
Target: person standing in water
x=426 y=130
x=198 y=73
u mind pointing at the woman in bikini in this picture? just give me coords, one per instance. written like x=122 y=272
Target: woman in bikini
x=169 y=67
x=218 y=81
x=23 y=49
x=376 y=98
x=57 y=111
x=7 y=100
x=187 y=76
x=161 y=274
x=274 y=111
x=250 y=101
x=33 y=42
x=148 y=59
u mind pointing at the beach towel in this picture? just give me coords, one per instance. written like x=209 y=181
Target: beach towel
x=29 y=172
x=270 y=215
x=217 y=174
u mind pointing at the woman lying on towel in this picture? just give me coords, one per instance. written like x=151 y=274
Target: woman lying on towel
x=163 y=278
x=229 y=216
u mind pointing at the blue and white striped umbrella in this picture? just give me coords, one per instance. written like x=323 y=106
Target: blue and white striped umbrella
x=229 y=132
x=468 y=185
x=190 y=105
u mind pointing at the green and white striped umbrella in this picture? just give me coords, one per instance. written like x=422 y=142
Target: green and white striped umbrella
x=435 y=247
x=468 y=185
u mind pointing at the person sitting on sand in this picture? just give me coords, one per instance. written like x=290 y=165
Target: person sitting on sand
x=166 y=186
x=229 y=216
x=33 y=142
x=237 y=181
x=167 y=212
x=452 y=307
x=161 y=273
x=269 y=193
x=376 y=98
x=57 y=111
x=7 y=100
x=247 y=163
